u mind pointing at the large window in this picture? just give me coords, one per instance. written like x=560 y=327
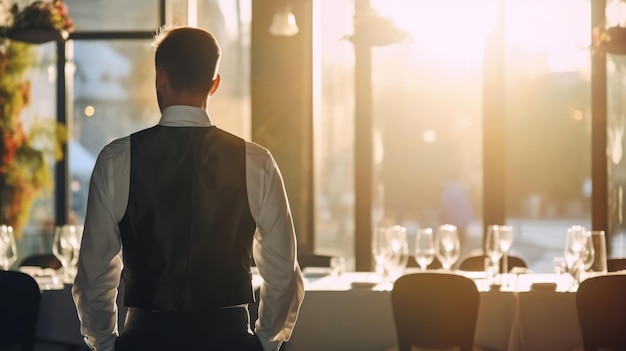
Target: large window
x=37 y=235
x=428 y=105
x=334 y=128
x=548 y=124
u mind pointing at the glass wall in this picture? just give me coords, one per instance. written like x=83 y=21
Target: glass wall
x=428 y=115
x=428 y=110
x=39 y=112
x=333 y=110
x=427 y=107
x=616 y=124
x=114 y=15
x=548 y=124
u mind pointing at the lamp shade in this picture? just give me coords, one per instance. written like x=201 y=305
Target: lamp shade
x=284 y=23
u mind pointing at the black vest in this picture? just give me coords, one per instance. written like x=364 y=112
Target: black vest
x=187 y=232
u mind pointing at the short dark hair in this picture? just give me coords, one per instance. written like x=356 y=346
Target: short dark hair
x=190 y=56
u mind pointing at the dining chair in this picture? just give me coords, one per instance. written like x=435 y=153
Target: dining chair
x=19 y=309
x=602 y=312
x=435 y=310
x=43 y=260
x=477 y=263
x=616 y=264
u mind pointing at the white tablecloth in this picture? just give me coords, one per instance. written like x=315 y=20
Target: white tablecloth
x=335 y=316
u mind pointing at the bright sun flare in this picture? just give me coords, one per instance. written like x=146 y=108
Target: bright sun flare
x=456 y=30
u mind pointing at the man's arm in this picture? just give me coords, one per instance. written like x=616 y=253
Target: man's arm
x=275 y=256
x=99 y=263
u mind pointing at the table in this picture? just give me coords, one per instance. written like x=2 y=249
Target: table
x=58 y=326
x=335 y=316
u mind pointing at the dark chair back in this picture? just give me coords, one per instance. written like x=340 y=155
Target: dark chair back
x=477 y=263
x=435 y=310
x=602 y=312
x=42 y=260
x=19 y=308
x=616 y=264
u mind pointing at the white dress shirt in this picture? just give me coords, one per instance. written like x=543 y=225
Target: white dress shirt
x=100 y=260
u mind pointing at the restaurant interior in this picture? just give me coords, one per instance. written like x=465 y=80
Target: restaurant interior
x=393 y=122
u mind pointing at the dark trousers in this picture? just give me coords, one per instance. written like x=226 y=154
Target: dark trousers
x=226 y=329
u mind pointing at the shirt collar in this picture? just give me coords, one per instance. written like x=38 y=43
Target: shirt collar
x=185 y=116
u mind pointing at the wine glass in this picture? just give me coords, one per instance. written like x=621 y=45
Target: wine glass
x=505 y=241
x=587 y=254
x=8 y=249
x=494 y=252
x=424 y=247
x=575 y=241
x=380 y=250
x=398 y=254
x=65 y=246
x=493 y=249
x=448 y=245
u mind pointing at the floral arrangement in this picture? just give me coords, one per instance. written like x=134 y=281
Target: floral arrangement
x=26 y=156
x=42 y=15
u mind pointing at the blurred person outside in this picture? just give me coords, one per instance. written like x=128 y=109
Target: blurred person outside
x=176 y=212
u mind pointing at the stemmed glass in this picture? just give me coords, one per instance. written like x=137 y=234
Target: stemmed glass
x=505 y=241
x=398 y=251
x=493 y=250
x=575 y=242
x=424 y=247
x=66 y=246
x=448 y=245
x=8 y=249
x=380 y=250
x=587 y=255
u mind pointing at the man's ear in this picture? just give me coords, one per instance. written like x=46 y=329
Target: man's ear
x=216 y=84
x=161 y=79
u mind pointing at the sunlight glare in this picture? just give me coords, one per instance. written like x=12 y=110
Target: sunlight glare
x=616 y=13
x=456 y=30
x=192 y=13
x=559 y=32
x=452 y=30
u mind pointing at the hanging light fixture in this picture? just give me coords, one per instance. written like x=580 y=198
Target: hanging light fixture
x=374 y=30
x=284 y=22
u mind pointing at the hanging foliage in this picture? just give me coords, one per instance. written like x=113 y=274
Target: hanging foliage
x=26 y=156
